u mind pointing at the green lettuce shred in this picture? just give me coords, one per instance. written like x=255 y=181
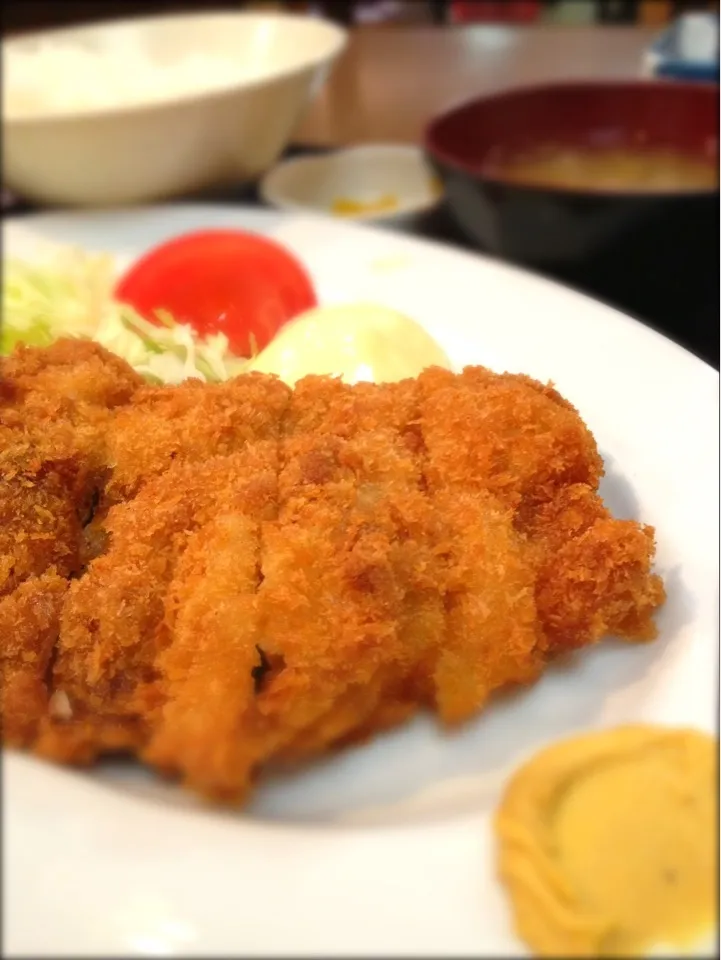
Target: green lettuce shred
x=71 y=295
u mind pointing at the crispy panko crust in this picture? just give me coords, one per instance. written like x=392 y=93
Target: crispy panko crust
x=117 y=617
x=218 y=578
x=165 y=425
x=505 y=435
x=41 y=506
x=29 y=625
x=75 y=372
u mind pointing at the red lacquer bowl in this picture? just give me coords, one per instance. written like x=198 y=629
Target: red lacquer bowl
x=625 y=238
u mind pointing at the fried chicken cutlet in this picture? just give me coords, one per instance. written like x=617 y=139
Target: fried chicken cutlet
x=286 y=571
x=190 y=423
x=54 y=404
x=131 y=650
x=71 y=371
x=527 y=445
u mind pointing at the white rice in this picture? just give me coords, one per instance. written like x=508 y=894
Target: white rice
x=50 y=77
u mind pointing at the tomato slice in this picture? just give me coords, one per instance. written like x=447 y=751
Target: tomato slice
x=228 y=281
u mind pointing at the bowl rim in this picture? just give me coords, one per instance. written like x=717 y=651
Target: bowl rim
x=338 y=38
x=449 y=160
x=280 y=200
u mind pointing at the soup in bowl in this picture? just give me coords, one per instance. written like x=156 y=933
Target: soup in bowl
x=632 y=168
x=611 y=186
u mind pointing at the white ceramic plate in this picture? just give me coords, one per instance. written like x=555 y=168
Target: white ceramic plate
x=387 y=849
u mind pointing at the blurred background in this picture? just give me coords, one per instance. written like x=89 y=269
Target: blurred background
x=27 y=14
x=406 y=63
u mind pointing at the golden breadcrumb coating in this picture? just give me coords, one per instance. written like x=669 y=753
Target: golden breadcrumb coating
x=219 y=578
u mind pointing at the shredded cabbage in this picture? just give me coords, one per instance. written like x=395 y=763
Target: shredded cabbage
x=71 y=295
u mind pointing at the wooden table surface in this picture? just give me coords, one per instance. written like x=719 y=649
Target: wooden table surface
x=392 y=80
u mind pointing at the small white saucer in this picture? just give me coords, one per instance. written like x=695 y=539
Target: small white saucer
x=389 y=183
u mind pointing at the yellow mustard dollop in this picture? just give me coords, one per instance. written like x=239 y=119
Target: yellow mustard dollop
x=607 y=842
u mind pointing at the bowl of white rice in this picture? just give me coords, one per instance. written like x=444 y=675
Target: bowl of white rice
x=131 y=111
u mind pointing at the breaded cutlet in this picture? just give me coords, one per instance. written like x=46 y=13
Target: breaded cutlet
x=120 y=616
x=348 y=578
x=503 y=434
x=29 y=621
x=189 y=424
x=72 y=371
x=54 y=404
x=274 y=573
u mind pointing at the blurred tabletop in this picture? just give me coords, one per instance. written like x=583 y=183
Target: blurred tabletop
x=391 y=80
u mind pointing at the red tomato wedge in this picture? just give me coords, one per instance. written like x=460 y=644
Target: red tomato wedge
x=221 y=281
